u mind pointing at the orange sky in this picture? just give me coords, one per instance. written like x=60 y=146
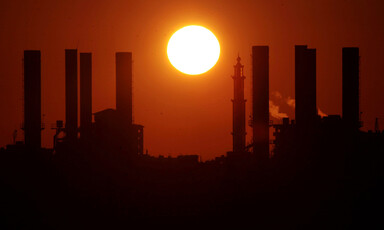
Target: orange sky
x=187 y=114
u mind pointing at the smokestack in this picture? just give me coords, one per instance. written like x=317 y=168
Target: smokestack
x=260 y=97
x=350 y=94
x=32 y=99
x=85 y=95
x=124 y=86
x=71 y=94
x=238 y=109
x=305 y=86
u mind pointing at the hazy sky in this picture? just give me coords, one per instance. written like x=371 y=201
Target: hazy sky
x=183 y=114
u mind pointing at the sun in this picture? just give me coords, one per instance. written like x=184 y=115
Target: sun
x=193 y=50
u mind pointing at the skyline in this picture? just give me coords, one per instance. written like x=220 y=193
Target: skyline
x=99 y=128
x=161 y=94
x=322 y=170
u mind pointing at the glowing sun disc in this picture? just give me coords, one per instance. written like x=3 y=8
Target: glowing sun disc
x=193 y=50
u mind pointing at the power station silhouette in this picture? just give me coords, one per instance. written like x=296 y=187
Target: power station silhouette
x=315 y=172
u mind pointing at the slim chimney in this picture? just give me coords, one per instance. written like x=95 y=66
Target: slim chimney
x=260 y=103
x=350 y=94
x=32 y=99
x=71 y=94
x=85 y=95
x=305 y=86
x=124 y=86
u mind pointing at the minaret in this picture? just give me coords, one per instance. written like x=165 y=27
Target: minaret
x=238 y=109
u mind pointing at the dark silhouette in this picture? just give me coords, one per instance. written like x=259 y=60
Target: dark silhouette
x=305 y=87
x=260 y=101
x=85 y=96
x=32 y=98
x=238 y=109
x=350 y=68
x=322 y=171
x=71 y=95
x=124 y=86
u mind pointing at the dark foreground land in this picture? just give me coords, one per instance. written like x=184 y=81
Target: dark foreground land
x=322 y=185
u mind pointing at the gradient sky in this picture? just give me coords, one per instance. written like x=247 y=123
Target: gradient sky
x=187 y=114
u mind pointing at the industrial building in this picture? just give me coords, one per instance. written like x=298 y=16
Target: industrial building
x=318 y=169
x=113 y=129
x=308 y=126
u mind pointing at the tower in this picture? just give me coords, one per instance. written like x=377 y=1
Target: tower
x=85 y=95
x=71 y=95
x=260 y=101
x=124 y=86
x=32 y=98
x=238 y=109
x=350 y=94
x=305 y=87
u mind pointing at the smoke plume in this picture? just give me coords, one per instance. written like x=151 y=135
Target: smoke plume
x=277 y=94
x=291 y=102
x=321 y=113
x=274 y=111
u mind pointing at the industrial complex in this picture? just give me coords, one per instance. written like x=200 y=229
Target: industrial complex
x=97 y=172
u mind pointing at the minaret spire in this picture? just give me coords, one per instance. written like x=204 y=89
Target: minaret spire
x=238 y=108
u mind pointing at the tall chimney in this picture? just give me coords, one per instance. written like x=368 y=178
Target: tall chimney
x=32 y=99
x=305 y=87
x=124 y=86
x=260 y=97
x=85 y=95
x=238 y=109
x=71 y=94
x=350 y=94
